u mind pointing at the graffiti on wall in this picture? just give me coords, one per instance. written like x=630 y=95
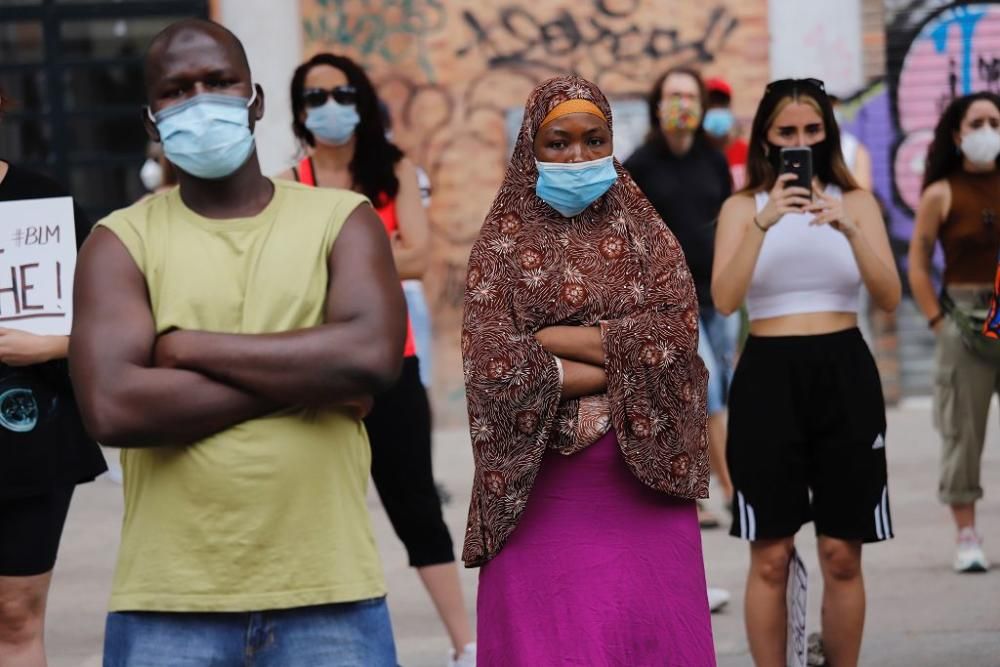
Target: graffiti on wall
x=451 y=71
x=936 y=52
x=391 y=31
x=952 y=54
x=591 y=40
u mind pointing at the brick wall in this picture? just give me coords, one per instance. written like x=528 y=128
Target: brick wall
x=873 y=39
x=451 y=69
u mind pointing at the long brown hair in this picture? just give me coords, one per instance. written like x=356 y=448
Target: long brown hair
x=778 y=95
x=943 y=157
x=373 y=167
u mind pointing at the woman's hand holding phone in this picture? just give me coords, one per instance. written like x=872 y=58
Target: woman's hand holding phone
x=783 y=199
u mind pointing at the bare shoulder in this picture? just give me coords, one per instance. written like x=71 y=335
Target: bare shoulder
x=860 y=199
x=938 y=192
x=287 y=175
x=935 y=203
x=741 y=205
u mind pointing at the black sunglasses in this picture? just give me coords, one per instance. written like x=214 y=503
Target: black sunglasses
x=317 y=97
x=791 y=84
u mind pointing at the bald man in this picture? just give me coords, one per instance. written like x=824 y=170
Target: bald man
x=228 y=336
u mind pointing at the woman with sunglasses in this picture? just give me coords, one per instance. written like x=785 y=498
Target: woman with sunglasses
x=337 y=121
x=806 y=414
x=959 y=208
x=44 y=454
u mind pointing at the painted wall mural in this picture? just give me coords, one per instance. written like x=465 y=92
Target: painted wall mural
x=451 y=71
x=935 y=52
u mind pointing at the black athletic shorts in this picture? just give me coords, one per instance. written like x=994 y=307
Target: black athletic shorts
x=30 y=529
x=807 y=439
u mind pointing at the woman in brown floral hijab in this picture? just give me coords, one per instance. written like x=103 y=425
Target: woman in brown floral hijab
x=587 y=408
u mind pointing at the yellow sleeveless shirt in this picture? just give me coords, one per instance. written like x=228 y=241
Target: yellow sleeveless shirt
x=271 y=513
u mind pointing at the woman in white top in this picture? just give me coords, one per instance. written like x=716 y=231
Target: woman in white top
x=807 y=419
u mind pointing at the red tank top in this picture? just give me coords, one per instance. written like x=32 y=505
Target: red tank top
x=306 y=174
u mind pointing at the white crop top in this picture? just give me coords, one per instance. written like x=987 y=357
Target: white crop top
x=803 y=268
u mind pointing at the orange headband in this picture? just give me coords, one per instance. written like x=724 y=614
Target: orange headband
x=572 y=106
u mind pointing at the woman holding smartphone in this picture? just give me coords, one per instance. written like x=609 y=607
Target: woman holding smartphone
x=807 y=419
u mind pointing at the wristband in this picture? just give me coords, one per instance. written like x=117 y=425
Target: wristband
x=759 y=226
x=934 y=320
x=562 y=371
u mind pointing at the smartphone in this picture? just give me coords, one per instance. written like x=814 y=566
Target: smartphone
x=798 y=161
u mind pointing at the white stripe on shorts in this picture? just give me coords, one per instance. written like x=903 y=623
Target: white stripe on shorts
x=886 y=523
x=743 y=514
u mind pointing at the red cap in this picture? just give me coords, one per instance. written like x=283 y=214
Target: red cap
x=719 y=85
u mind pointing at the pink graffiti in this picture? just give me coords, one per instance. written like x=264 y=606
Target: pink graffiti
x=954 y=54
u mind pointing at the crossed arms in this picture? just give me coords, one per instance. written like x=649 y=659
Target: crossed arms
x=135 y=389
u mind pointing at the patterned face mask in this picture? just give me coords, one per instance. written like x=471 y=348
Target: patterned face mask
x=679 y=115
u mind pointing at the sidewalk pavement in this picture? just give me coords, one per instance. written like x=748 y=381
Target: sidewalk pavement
x=920 y=614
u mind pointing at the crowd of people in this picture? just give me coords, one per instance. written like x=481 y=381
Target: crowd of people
x=630 y=329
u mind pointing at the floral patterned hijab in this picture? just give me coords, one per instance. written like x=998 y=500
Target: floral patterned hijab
x=617 y=266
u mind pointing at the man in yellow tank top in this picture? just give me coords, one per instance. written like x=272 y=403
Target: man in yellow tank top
x=228 y=336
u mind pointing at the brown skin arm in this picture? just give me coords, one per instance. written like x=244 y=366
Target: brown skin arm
x=932 y=210
x=583 y=344
x=411 y=242
x=357 y=352
x=581 y=351
x=582 y=379
x=123 y=399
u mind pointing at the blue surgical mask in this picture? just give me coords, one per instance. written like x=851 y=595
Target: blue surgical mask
x=718 y=122
x=570 y=187
x=207 y=136
x=333 y=123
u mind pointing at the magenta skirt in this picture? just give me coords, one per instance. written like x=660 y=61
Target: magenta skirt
x=600 y=571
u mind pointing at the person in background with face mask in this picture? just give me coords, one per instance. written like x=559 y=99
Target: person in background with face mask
x=230 y=333
x=959 y=208
x=856 y=155
x=587 y=408
x=44 y=452
x=806 y=414
x=721 y=128
x=686 y=180
x=336 y=118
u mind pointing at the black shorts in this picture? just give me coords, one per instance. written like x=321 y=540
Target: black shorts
x=30 y=529
x=399 y=430
x=807 y=439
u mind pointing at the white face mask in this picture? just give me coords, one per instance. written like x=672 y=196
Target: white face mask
x=981 y=147
x=151 y=174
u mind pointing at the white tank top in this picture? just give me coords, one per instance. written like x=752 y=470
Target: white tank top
x=803 y=268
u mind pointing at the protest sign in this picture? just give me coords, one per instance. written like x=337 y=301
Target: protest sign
x=37 y=260
x=798 y=580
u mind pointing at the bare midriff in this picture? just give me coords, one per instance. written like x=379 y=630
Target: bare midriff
x=803 y=324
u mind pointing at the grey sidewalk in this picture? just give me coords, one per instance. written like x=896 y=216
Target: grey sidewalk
x=920 y=614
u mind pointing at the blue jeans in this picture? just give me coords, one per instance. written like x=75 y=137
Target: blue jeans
x=353 y=634
x=420 y=318
x=717 y=337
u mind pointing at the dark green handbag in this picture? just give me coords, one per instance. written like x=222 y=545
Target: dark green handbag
x=971 y=323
